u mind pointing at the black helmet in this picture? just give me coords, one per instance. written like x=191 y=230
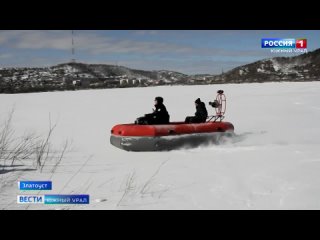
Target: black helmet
x=159 y=99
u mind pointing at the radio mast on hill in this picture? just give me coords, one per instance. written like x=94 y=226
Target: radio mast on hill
x=72 y=48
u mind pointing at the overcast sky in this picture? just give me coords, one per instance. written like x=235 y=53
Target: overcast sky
x=190 y=52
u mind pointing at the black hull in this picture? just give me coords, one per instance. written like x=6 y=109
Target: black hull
x=167 y=143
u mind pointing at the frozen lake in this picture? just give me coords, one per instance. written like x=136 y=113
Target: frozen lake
x=273 y=164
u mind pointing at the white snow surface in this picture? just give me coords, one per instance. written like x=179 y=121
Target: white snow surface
x=274 y=163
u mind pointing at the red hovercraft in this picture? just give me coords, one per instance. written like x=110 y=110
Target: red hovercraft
x=175 y=135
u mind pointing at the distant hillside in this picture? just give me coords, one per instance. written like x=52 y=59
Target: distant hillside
x=103 y=70
x=304 y=67
x=73 y=76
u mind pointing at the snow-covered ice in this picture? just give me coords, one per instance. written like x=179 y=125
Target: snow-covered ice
x=273 y=163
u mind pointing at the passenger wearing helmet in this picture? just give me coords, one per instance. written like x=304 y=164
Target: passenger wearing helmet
x=160 y=114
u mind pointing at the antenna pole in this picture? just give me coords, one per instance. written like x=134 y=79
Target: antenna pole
x=72 y=48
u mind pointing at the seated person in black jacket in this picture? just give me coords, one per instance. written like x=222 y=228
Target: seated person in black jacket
x=200 y=115
x=160 y=114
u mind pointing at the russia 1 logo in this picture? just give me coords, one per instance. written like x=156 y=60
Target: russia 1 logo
x=301 y=43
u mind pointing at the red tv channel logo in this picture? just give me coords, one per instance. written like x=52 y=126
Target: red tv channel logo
x=301 y=43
